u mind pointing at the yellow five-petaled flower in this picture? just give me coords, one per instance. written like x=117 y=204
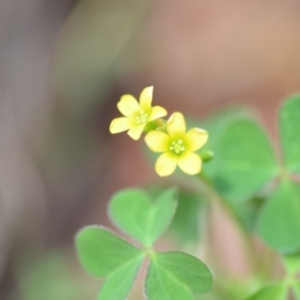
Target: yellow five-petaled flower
x=178 y=146
x=136 y=115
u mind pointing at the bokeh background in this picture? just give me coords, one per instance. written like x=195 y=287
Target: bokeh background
x=63 y=66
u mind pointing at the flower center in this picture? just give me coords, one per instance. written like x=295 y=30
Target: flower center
x=177 y=147
x=142 y=117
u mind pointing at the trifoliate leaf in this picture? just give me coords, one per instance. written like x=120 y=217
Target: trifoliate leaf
x=101 y=252
x=247 y=160
x=176 y=276
x=279 y=221
x=134 y=212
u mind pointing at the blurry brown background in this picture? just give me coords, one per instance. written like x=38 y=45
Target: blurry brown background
x=63 y=66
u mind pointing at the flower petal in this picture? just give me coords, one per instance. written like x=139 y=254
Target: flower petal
x=119 y=124
x=196 y=138
x=146 y=98
x=157 y=112
x=176 y=125
x=165 y=164
x=128 y=105
x=157 y=141
x=190 y=163
x=136 y=131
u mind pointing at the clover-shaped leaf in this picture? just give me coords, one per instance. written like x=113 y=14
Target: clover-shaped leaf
x=247 y=164
x=135 y=213
x=104 y=254
x=279 y=221
x=176 y=276
x=247 y=160
x=101 y=252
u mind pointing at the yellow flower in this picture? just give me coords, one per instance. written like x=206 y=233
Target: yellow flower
x=178 y=146
x=136 y=115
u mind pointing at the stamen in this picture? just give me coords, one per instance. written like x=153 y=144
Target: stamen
x=142 y=118
x=177 y=147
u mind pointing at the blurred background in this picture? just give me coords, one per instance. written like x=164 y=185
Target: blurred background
x=64 y=65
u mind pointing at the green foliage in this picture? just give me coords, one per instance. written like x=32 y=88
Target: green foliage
x=279 y=222
x=217 y=125
x=101 y=252
x=185 y=227
x=186 y=224
x=119 y=283
x=176 y=276
x=247 y=165
x=146 y=220
x=273 y=292
x=292 y=264
x=248 y=161
x=259 y=192
x=104 y=254
x=290 y=133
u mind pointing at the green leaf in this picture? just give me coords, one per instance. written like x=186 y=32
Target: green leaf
x=216 y=125
x=247 y=160
x=292 y=263
x=279 y=221
x=273 y=292
x=101 y=252
x=290 y=132
x=176 y=276
x=134 y=212
x=186 y=224
x=119 y=283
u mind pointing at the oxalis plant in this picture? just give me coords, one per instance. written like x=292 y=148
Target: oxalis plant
x=257 y=187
